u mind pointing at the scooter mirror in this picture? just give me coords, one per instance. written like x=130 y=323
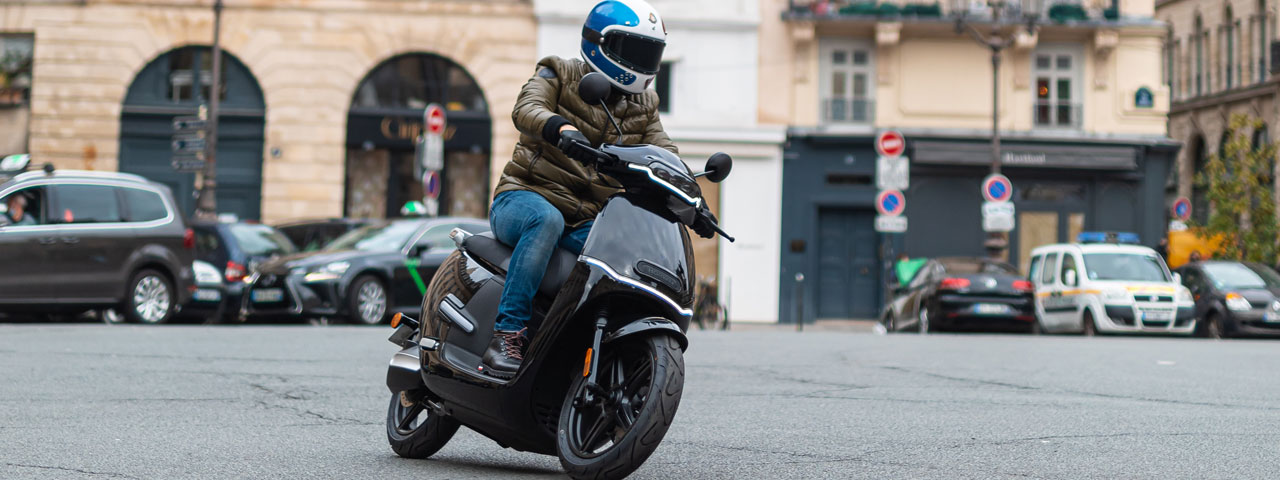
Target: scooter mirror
x=718 y=167
x=594 y=87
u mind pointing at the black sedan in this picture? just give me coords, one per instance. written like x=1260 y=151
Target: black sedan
x=1234 y=298
x=234 y=249
x=961 y=293
x=365 y=275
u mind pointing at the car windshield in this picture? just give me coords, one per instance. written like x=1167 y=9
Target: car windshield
x=1232 y=276
x=1269 y=276
x=1133 y=267
x=963 y=266
x=376 y=237
x=261 y=240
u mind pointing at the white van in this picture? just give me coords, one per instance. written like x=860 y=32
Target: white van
x=1108 y=288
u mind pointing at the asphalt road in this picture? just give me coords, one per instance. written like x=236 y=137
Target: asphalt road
x=95 y=401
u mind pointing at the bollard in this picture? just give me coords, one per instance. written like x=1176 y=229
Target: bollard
x=799 y=302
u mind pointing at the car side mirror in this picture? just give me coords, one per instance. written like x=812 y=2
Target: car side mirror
x=1177 y=278
x=718 y=167
x=594 y=88
x=1070 y=279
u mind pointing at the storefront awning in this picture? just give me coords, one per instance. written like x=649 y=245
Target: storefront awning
x=1100 y=157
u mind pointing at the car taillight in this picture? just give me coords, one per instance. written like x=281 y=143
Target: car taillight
x=1023 y=286
x=954 y=283
x=189 y=239
x=235 y=272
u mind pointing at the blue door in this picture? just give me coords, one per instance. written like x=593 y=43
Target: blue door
x=848 y=283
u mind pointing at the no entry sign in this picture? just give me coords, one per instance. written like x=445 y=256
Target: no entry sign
x=890 y=143
x=891 y=203
x=997 y=188
x=434 y=119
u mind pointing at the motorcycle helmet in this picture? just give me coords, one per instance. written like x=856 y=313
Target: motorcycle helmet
x=624 y=39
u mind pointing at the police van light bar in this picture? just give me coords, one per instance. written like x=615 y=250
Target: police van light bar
x=1107 y=237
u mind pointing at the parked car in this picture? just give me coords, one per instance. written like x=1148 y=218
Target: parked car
x=95 y=241
x=1234 y=298
x=312 y=235
x=209 y=301
x=365 y=275
x=961 y=293
x=235 y=249
x=1104 y=284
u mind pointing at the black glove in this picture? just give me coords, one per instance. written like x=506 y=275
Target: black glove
x=575 y=146
x=702 y=226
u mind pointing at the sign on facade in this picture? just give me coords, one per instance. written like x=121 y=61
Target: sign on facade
x=893 y=172
x=1144 y=98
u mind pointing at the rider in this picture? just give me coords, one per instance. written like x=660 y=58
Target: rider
x=548 y=199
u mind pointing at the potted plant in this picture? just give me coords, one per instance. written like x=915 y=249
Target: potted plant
x=15 y=77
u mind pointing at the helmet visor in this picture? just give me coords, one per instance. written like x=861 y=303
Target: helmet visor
x=642 y=54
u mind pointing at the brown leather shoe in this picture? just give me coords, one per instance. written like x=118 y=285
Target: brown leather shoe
x=506 y=351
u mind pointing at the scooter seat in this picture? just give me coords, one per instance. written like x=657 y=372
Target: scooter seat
x=497 y=257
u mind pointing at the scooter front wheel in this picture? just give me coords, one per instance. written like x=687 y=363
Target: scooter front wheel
x=612 y=433
x=413 y=430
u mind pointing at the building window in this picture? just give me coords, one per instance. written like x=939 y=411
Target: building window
x=662 y=84
x=15 y=69
x=1264 y=43
x=1199 y=190
x=847 y=82
x=1058 y=94
x=1198 y=74
x=1229 y=44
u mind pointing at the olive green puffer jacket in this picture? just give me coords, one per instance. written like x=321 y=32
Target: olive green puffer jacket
x=550 y=100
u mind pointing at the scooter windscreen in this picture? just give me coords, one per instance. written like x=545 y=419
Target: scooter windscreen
x=662 y=167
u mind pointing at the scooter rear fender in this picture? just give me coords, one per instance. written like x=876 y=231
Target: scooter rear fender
x=403 y=372
x=649 y=325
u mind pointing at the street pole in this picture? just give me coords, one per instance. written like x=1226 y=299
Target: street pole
x=207 y=203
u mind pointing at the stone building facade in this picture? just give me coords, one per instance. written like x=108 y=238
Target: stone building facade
x=306 y=58
x=1218 y=63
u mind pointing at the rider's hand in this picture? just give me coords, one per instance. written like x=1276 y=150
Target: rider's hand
x=575 y=145
x=702 y=226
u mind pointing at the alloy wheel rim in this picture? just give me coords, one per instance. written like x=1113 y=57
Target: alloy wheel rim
x=151 y=299
x=371 y=301
x=409 y=418
x=596 y=428
x=924 y=319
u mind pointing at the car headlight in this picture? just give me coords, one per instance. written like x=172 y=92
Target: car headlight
x=206 y=274
x=331 y=271
x=1237 y=303
x=1184 y=296
x=1117 y=296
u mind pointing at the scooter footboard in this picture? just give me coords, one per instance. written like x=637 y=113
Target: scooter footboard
x=649 y=325
x=403 y=372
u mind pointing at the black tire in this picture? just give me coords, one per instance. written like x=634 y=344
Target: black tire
x=367 y=289
x=1090 y=329
x=418 y=437
x=1213 y=327
x=657 y=365
x=150 y=298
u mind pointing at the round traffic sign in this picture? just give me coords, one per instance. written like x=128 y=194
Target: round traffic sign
x=890 y=203
x=434 y=119
x=890 y=143
x=997 y=188
x=1181 y=208
x=431 y=184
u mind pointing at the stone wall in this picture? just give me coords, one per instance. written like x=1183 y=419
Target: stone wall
x=307 y=55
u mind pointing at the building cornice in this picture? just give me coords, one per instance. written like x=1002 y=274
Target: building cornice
x=983 y=134
x=1235 y=95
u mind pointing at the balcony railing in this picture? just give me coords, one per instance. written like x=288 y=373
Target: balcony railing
x=1053 y=11
x=848 y=110
x=1057 y=114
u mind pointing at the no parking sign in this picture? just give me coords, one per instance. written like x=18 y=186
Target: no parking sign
x=890 y=204
x=997 y=188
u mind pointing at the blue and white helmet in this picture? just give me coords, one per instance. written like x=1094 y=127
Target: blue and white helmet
x=624 y=39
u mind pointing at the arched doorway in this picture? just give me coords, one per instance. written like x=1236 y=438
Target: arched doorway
x=167 y=88
x=386 y=118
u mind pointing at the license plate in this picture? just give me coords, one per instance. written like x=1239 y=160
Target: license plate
x=206 y=295
x=1271 y=317
x=990 y=309
x=1157 y=316
x=267 y=295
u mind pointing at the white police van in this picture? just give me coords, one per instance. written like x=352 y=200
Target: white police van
x=1105 y=283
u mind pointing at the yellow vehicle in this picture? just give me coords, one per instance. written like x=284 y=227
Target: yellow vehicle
x=1183 y=243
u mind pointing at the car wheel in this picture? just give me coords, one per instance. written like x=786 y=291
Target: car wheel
x=1036 y=328
x=1090 y=329
x=150 y=298
x=1213 y=327
x=922 y=319
x=367 y=301
x=111 y=316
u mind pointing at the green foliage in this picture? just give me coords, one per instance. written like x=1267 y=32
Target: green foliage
x=1239 y=181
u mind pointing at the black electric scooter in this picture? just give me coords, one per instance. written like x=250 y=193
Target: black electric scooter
x=603 y=374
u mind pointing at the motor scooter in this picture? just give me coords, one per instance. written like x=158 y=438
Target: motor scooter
x=603 y=373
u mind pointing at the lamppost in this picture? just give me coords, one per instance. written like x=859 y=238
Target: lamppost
x=207 y=201
x=996 y=41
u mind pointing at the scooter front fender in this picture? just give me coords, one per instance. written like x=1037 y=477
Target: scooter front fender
x=404 y=371
x=648 y=325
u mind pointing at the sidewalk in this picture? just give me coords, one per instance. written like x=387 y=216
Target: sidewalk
x=850 y=325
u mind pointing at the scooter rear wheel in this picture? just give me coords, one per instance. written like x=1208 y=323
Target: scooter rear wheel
x=642 y=380
x=413 y=430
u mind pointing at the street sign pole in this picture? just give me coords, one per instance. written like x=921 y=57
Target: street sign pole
x=207 y=200
x=431 y=157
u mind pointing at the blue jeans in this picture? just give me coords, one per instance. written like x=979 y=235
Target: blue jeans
x=528 y=222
